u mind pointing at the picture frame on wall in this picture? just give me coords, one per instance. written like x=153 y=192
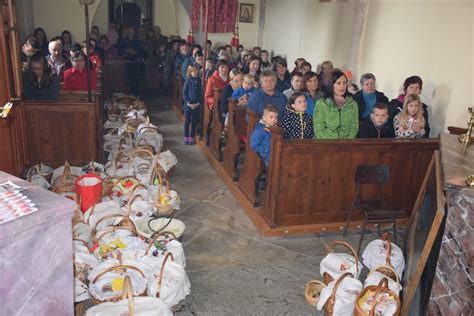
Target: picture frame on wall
x=246 y=13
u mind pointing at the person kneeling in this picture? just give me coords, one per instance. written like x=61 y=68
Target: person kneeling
x=261 y=137
x=296 y=122
x=378 y=126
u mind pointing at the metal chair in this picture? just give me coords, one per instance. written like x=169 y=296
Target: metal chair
x=375 y=209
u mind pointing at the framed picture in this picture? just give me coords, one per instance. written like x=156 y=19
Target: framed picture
x=246 y=13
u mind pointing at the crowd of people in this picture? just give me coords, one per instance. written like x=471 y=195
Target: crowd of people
x=320 y=102
x=61 y=62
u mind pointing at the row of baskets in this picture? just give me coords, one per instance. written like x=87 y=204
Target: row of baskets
x=124 y=227
x=341 y=293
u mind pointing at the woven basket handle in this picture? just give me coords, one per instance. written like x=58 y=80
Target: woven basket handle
x=386 y=237
x=389 y=267
x=66 y=172
x=130 y=203
x=138 y=186
x=138 y=151
x=146 y=129
x=128 y=295
x=31 y=174
x=338 y=282
x=343 y=243
x=119 y=267
x=85 y=243
x=120 y=153
x=152 y=242
x=383 y=284
x=109 y=230
x=162 y=270
x=124 y=218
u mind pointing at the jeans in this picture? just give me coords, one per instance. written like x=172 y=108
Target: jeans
x=191 y=119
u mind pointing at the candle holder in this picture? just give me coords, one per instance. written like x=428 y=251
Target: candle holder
x=467 y=137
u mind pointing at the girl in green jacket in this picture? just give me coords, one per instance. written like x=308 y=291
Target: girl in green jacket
x=336 y=115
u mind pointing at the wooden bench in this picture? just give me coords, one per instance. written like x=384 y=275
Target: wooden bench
x=311 y=182
x=215 y=141
x=253 y=164
x=114 y=76
x=236 y=130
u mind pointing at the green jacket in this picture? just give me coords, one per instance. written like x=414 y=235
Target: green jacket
x=333 y=123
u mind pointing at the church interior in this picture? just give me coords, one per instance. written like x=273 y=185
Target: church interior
x=326 y=165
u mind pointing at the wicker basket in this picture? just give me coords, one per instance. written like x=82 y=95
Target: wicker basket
x=117 y=298
x=388 y=269
x=382 y=287
x=312 y=291
x=329 y=306
x=327 y=278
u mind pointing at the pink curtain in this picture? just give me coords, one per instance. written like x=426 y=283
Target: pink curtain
x=195 y=13
x=222 y=15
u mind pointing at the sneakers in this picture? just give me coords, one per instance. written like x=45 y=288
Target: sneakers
x=189 y=141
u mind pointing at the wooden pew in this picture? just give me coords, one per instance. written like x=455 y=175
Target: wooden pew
x=215 y=142
x=63 y=130
x=253 y=164
x=114 y=77
x=311 y=182
x=236 y=129
x=206 y=124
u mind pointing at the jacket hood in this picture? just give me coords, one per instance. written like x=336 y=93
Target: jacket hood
x=216 y=76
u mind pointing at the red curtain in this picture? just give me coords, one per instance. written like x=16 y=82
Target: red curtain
x=222 y=15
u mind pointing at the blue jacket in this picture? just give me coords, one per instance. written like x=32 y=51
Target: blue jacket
x=239 y=92
x=260 y=141
x=259 y=99
x=192 y=91
x=178 y=63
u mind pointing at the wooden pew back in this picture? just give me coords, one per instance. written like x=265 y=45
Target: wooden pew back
x=114 y=76
x=236 y=128
x=253 y=164
x=217 y=125
x=312 y=181
x=59 y=131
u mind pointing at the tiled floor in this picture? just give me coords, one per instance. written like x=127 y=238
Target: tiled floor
x=233 y=270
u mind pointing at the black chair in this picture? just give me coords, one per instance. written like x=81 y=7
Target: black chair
x=376 y=209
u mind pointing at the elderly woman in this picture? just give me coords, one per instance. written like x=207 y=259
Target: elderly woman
x=39 y=83
x=368 y=97
x=336 y=113
x=412 y=85
x=76 y=78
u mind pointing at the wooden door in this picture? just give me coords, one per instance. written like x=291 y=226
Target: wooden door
x=12 y=130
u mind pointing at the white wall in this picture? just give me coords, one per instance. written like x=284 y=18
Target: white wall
x=310 y=29
x=432 y=39
x=54 y=16
x=165 y=15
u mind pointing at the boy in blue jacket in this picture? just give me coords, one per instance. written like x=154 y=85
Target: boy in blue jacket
x=192 y=95
x=261 y=137
x=248 y=87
